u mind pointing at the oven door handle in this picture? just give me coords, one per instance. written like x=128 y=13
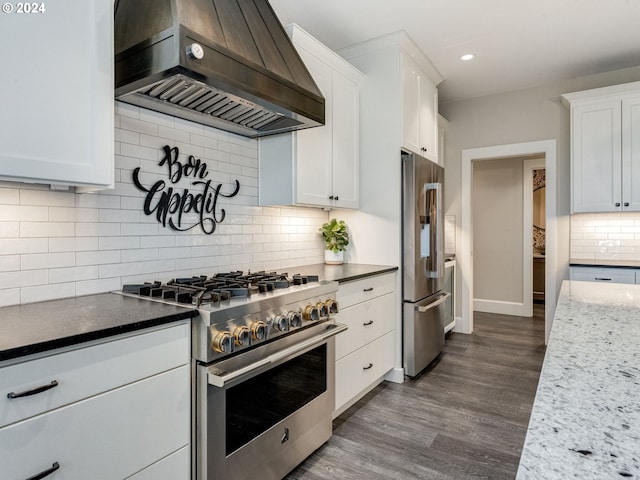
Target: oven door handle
x=218 y=378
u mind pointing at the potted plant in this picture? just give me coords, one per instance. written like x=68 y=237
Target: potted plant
x=336 y=239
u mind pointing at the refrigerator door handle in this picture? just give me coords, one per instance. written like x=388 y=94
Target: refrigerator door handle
x=443 y=298
x=432 y=216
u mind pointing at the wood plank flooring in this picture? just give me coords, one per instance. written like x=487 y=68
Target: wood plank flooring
x=465 y=417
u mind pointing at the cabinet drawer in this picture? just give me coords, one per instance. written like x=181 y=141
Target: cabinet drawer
x=108 y=437
x=608 y=275
x=360 y=369
x=358 y=291
x=366 y=321
x=89 y=371
x=174 y=467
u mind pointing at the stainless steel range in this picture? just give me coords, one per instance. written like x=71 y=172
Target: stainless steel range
x=263 y=361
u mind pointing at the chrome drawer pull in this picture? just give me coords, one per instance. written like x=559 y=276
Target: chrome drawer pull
x=603 y=279
x=46 y=473
x=368 y=366
x=370 y=322
x=370 y=289
x=33 y=391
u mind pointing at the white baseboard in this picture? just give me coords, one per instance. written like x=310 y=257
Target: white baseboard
x=396 y=375
x=503 y=308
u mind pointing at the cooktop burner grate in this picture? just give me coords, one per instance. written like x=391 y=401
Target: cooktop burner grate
x=217 y=289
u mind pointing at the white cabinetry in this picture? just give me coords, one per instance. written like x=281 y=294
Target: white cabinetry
x=605 y=274
x=605 y=149
x=56 y=91
x=118 y=409
x=365 y=352
x=419 y=109
x=317 y=166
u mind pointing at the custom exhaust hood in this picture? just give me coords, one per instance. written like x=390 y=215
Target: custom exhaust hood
x=224 y=63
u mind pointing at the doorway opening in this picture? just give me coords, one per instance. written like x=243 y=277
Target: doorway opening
x=542 y=150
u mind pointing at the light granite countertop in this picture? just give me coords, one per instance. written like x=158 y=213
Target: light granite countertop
x=585 y=421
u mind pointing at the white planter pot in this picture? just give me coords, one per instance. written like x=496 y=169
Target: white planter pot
x=333 y=258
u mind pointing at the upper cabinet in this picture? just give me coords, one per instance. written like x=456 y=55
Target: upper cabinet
x=605 y=149
x=419 y=109
x=318 y=166
x=56 y=91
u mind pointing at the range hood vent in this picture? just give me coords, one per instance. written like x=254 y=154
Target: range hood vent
x=224 y=63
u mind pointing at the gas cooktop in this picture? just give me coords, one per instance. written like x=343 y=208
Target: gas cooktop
x=221 y=289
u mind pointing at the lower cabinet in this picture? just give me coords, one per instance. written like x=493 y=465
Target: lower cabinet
x=605 y=274
x=365 y=352
x=137 y=429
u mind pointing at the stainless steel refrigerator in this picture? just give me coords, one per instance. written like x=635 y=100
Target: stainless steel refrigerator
x=423 y=262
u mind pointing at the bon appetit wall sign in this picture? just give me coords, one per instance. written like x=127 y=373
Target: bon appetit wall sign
x=172 y=203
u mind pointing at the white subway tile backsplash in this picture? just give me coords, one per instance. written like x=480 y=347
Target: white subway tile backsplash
x=9 y=229
x=89 y=287
x=73 y=244
x=10 y=246
x=9 y=196
x=97 y=229
x=46 y=229
x=605 y=236
x=118 y=243
x=9 y=263
x=47 y=292
x=47 y=260
x=72 y=274
x=22 y=213
x=60 y=244
x=46 y=198
x=98 y=257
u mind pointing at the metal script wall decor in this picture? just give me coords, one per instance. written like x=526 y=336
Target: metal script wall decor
x=170 y=203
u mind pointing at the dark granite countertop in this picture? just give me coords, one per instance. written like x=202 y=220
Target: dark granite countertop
x=341 y=273
x=39 y=327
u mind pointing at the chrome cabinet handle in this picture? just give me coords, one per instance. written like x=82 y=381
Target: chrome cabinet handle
x=370 y=289
x=46 y=473
x=602 y=279
x=33 y=391
x=366 y=324
x=368 y=366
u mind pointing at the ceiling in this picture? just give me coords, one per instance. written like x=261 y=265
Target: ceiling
x=517 y=43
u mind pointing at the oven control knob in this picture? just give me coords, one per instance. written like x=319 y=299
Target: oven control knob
x=242 y=336
x=311 y=312
x=222 y=342
x=259 y=330
x=332 y=306
x=281 y=323
x=323 y=309
x=295 y=319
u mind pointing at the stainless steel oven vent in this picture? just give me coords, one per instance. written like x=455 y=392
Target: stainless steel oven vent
x=224 y=63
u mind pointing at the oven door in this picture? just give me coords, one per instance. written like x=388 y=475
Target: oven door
x=259 y=414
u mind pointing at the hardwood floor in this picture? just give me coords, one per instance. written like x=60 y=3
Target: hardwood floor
x=465 y=417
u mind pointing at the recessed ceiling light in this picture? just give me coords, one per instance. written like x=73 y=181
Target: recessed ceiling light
x=467 y=56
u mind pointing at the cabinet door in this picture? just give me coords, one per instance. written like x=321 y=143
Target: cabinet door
x=56 y=120
x=631 y=154
x=596 y=157
x=345 y=142
x=110 y=436
x=410 y=104
x=313 y=156
x=428 y=117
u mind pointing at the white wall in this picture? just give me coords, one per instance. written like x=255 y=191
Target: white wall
x=62 y=244
x=523 y=116
x=497 y=230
